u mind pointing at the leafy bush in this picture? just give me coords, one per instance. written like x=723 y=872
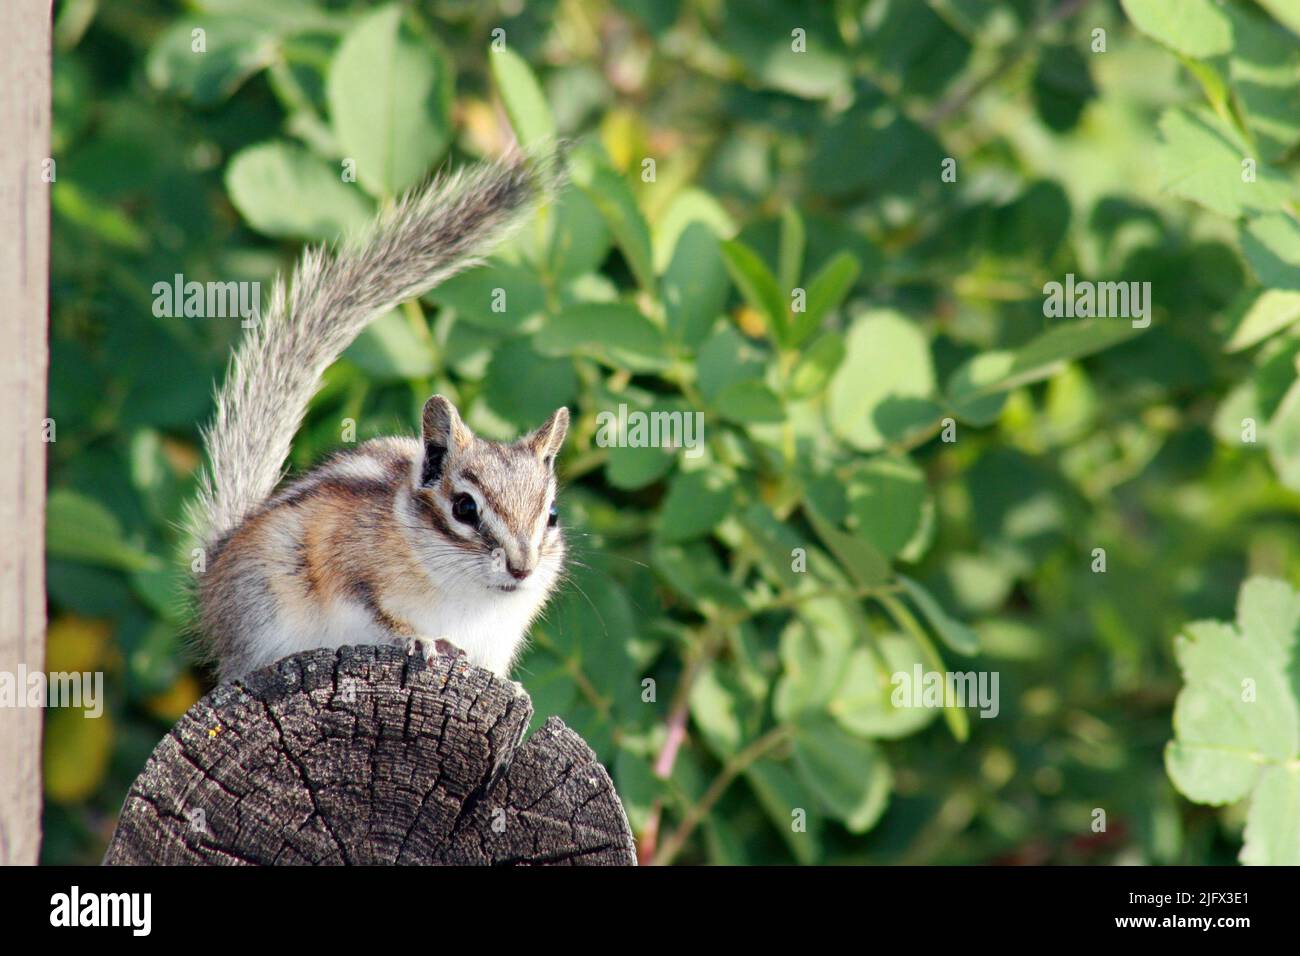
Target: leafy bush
x=1238 y=719
x=828 y=230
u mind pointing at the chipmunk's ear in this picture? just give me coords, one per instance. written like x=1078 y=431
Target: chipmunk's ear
x=444 y=434
x=549 y=437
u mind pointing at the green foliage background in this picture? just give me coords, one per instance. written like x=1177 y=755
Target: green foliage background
x=773 y=170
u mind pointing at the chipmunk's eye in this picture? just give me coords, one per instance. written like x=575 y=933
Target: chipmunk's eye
x=554 y=519
x=464 y=509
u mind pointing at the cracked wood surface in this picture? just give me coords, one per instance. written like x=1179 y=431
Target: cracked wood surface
x=363 y=755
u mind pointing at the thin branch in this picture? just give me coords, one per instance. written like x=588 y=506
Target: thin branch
x=732 y=769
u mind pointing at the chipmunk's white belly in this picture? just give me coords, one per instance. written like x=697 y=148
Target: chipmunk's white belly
x=489 y=626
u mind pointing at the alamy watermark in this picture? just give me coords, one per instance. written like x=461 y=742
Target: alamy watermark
x=133 y=911
x=922 y=688
x=207 y=300
x=81 y=690
x=638 y=429
x=1102 y=300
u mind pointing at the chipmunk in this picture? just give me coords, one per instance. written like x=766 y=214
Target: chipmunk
x=449 y=543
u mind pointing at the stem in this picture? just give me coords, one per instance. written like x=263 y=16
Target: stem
x=678 y=714
x=645 y=847
x=785 y=362
x=953 y=716
x=580 y=680
x=589 y=460
x=962 y=97
x=794 y=600
x=415 y=319
x=732 y=769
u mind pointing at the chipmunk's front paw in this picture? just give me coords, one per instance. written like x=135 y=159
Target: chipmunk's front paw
x=432 y=648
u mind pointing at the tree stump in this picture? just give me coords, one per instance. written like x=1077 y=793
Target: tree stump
x=363 y=755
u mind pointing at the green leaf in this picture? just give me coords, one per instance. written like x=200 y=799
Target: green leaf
x=1272 y=834
x=883 y=390
x=390 y=93
x=813 y=372
x=760 y=35
x=285 y=191
x=630 y=468
x=638 y=788
x=1283 y=436
x=98 y=218
x=720 y=710
x=1062 y=86
x=591 y=624
x=530 y=116
x=153 y=477
x=689 y=207
x=813 y=662
x=499 y=296
x=954 y=716
x=234 y=50
x=958 y=636
x=1237 y=719
x=389 y=350
x=1284 y=12
x=849 y=776
x=1271 y=244
x=727 y=357
x=633 y=461
x=864 y=704
x=1203 y=161
x=580 y=240
x=1265 y=70
x=967 y=396
x=695 y=285
x=893 y=156
x=748 y=402
x=1198 y=28
x=81 y=529
x=993 y=372
x=825 y=292
x=154 y=660
x=860 y=558
x=612 y=332
x=887 y=499
x=696 y=502
x=781 y=793
x=549 y=680
x=693 y=571
x=525 y=388
x=165 y=589
x=759 y=287
x=1261 y=316
x=616 y=202
x=790 y=255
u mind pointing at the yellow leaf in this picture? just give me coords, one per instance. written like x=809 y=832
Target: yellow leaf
x=77 y=750
x=172 y=703
x=76 y=644
x=751 y=321
x=623 y=135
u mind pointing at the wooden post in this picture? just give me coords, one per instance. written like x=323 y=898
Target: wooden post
x=24 y=310
x=363 y=755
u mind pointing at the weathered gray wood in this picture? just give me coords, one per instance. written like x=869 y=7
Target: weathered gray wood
x=363 y=756
x=24 y=308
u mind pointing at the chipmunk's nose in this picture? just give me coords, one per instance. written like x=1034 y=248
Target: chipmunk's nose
x=520 y=560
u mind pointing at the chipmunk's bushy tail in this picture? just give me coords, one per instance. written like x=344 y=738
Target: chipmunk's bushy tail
x=432 y=234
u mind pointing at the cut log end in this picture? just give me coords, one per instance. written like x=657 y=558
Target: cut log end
x=363 y=755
